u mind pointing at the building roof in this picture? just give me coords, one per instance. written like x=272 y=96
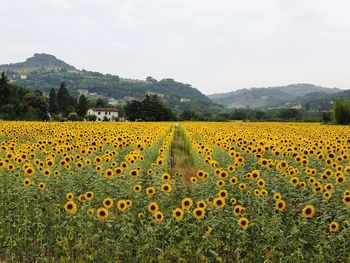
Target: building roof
x=105 y=109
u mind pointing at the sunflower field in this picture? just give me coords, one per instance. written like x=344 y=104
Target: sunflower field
x=166 y=192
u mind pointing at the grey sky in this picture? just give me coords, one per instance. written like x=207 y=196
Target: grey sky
x=215 y=45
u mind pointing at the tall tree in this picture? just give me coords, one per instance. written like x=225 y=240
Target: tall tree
x=53 y=106
x=36 y=106
x=63 y=98
x=4 y=90
x=341 y=109
x=133 y=110
x=101 y=103
x=150 y=109
x=83 y=106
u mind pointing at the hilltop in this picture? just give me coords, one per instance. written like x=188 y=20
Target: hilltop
x=45 y=71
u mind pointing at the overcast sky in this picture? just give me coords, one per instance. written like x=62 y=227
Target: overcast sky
x=216 y=46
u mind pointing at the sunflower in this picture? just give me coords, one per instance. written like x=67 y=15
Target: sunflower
x=294 y=181
x=233 y=200
x=334 y=226
x=340 y=179
x=200 y=173
x=166 y=176
x=29 y=171
x=198 y=213
x=327 y=195
x=70 y=207
x=264 y=192
x=223 y=175
x=159 y=217
x=79 y=164
x=302 y=185
x=109 y=173
x=243 y=222
x=220 y=183
x=201 y=204
x=238 y=210
x=102 y=213
x=90 y=212
x=242 y=186
x=47 y=172
x=255 y=174
x=277 y=196
x=346 y=200
x=178 y=213
x=134 y=173
x=70 y=196
x=186 y=203
x=122 y=205
x=233 y=180
x=150 y=191
x=208 y=230
x=141 y=216
x=108 y=202
x=329 y=187
x=261 y=183
x=137 y=188
x=89 y=195
x=50 y=162
x=193 y=179
x=118 y=171
x=98 y=168
x=27 y=182
x=219 y=202
x=280 y=205
x=128 y=203
x=153 y=207
x=308 y=211
x=166 y=188
x=81 y=198
x=223 y=193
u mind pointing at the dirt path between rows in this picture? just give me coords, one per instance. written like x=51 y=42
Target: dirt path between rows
x=182 y=163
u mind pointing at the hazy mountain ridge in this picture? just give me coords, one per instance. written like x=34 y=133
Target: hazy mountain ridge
x=273 y=96
x=44 y=72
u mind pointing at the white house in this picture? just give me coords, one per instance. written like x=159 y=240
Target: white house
x=100 y=113
x=113 y=101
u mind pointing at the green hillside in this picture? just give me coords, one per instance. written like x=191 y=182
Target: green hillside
x=44 y=72
x=272 y=96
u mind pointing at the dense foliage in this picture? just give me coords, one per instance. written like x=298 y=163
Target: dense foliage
x=151 y=108
x=17 y=103
x=341 y=111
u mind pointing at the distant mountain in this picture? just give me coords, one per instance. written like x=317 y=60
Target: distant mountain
x=44 y=72
x=319 y=100
x=270 y=97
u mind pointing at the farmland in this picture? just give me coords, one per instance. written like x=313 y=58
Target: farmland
x=143 y=192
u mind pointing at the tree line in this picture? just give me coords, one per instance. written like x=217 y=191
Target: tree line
x=18 y=103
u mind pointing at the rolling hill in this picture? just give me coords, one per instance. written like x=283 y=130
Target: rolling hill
x=44 y=72
x=275 y=96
